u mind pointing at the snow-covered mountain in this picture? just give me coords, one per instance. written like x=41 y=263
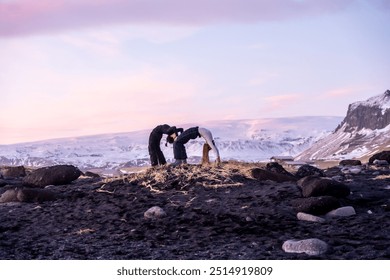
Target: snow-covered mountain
x=364 y=131
x=246 y=140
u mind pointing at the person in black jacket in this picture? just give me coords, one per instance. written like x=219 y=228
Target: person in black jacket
x=155 y=153
x=179 y=150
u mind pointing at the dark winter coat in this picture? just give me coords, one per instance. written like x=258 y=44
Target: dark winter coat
x=158 y=131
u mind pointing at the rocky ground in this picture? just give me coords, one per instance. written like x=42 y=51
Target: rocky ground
x=229 y=212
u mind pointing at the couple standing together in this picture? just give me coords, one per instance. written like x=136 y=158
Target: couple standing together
x=178 y=137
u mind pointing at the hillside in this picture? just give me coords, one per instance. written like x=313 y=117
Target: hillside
x=246 y=140
x=364 y=131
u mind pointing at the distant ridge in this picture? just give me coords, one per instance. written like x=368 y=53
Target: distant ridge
x=244 y=140
x=364 y=131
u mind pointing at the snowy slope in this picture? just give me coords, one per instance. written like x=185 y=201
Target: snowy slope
x=247 y=140
x=364 y=131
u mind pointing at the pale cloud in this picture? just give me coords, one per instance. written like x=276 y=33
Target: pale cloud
x=42 y=100
x=278 y=102
x=340 y=92
x=100 y=43
x=347 y=91
x=100 y=104
x=23 y=17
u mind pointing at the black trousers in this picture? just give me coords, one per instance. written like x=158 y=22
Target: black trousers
x=179 y=151
x=156 y=155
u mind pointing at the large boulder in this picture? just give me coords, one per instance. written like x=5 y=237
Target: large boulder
x=384 y=155
x=350 y=162
x=27 y=195
x=316 y=205
x=263 y=175
x=308 y=170
x=53 y=175
x=12 y=171
x=321 y=186
x=277 y=168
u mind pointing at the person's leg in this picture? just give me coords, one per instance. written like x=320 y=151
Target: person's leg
x=160 y=156
x=153 y=156
x=205 y=154
x=206 y=134
x=179 y=151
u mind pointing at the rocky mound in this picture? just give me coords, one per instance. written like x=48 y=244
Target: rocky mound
x=195 y=212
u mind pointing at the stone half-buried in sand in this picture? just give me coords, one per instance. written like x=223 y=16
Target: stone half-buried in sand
x=53 y=175
x=311 y=247
x=320 y=186
x=28 y=195
x=154 y=213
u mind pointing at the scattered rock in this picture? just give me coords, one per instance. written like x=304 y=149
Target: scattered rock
x=53 y=175
x=154 y=212
x=9 y=196
x=3 y=183
x=342 y=212
x=27 y=195
x=262 y=175
x=13 y=171
x=338 y=178
x=351 y=170
x=316 y=205
x=312 y=247
x=320 y=186
x=384 y=155
x=277 y=168
x=310 y=218
x=91 y=174
x=309 y=170
x=350 y=162
x=379 y=162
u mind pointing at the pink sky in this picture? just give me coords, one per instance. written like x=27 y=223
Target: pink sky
x=22 y=17
x=70 y=68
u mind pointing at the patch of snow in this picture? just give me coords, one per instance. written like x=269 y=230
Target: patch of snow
x=243 y=140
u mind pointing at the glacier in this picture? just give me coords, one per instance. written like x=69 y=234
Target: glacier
x=251 y=140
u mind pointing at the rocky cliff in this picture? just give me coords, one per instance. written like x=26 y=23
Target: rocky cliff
x=371 y=114
x=364 y=131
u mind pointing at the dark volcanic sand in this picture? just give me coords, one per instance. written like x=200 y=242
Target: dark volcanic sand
x=212 y=213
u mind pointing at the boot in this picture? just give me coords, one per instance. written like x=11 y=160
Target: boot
x=178 y=162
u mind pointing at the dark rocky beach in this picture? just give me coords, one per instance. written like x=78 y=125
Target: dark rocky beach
x=235 y=211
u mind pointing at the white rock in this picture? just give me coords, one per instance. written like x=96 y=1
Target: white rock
x=312 y=247
x=345 y=170
x=310 y=218
x=355 y=170
x=154 y=212
x=338 y=178
x=342 y=212
x=9 y=196
x=351 y=170
x=381 y=162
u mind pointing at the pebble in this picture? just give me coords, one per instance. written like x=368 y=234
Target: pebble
x=351 y=170
x=312 y=246
x=155 y=212
x=310 y=218
x=342 y=212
